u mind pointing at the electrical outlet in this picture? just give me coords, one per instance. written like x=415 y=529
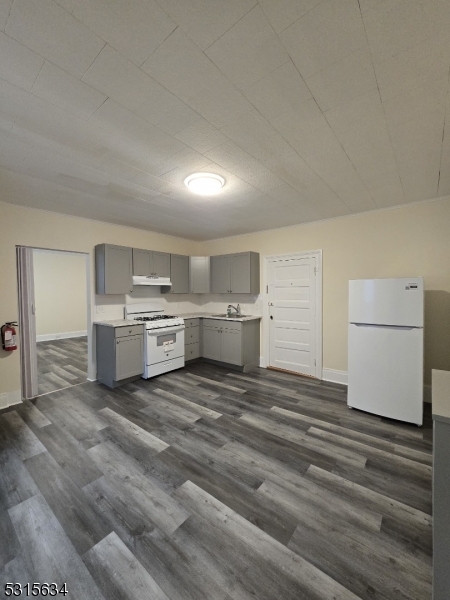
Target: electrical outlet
x=99 y=309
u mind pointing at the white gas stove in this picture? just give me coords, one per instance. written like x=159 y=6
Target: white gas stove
x=163 y=339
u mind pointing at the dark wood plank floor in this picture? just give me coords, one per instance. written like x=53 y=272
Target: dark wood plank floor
x=208 y=485
x=61 y=363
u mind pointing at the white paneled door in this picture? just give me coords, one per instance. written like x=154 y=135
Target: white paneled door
x=292 y=290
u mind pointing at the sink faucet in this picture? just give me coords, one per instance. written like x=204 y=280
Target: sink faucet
x=236 y=308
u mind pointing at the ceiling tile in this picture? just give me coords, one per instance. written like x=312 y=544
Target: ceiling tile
x=370 y=146
x=53 y=33
x=205 y=21
x=419 y=183
x=282 y=13
x=5 y=7
x=418 y=103
x=424 y=63
x=353 y=192
x=68 y=5
x=117 y=77
x=369 y=4
x=249 y=50
x=129 y=134
x=133 y=27
x=166 y=111
x=384 y=184
x=308 y=142
x=326 y=200
x=325 y=35
x=232 y=157
x=306 y=117
x=64 y=90
x=345 y=80
x=444 y=175
x=13 y=150
x=181 y=67
x=281 y=91
x=18 y=65
x=393 y=27
x=332 y=166
x=201 y=136
x=357 y=115
x=250 y=129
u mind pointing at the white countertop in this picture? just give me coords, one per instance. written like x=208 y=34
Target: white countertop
x=205 y=315
x=118 y=323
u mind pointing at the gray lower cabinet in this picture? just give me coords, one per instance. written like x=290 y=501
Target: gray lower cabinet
x=192 y=339
x=179 y=275
x=199 y=274
x=211 y=342
x=120 y=353
x=235 y=273
x=231 y=342
x=150 y=262
x=113 y=269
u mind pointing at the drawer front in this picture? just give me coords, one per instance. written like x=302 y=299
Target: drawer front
x=191 y=323
x=191 y=335
x=192 y=351
x=223 y=324
x=129 y=330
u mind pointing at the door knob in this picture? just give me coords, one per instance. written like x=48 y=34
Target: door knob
x=271 y=316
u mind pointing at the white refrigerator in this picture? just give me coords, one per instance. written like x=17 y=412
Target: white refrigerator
x=385 y=347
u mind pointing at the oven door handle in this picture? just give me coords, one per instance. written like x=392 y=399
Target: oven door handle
x=165 y=330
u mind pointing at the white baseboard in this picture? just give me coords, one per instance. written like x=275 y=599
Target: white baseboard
x=60 y=336
x=262 y=362
x=10 y=398
x=335 y=376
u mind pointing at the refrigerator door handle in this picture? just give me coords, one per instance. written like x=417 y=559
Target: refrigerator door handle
x=405 y=327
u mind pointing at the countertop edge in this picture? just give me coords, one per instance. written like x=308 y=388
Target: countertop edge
x=212 y=316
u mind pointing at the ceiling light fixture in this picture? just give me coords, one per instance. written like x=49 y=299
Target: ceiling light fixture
x=205 y=184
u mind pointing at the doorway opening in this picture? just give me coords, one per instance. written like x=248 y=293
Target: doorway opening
x=54 y=324
x=293 y=310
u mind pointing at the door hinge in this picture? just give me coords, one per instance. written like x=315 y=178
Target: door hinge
x=315 y=270
x=267 y=289
x=314 y=362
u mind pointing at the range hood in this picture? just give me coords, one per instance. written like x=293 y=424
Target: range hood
x=150 y=280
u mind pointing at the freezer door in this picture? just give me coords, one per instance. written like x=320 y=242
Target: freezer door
x=385 y=371
x=386 y=301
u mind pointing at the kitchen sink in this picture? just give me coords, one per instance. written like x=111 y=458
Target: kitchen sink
x=232 y=316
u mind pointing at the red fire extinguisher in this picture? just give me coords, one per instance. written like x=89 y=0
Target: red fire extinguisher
x=9 y=341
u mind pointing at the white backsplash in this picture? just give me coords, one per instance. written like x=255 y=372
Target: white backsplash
x=112 y=307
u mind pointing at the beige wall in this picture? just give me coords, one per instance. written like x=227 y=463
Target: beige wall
x=59 y=292
x=41 y=229
x=408 y=241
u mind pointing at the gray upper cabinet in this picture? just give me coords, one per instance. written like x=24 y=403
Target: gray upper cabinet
x=220 y=274
x=113 y=269
x=235 y=273
x=142 y=262
x=179 y=275
x=199 y=274
x=161 y=264
x=150 y=262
